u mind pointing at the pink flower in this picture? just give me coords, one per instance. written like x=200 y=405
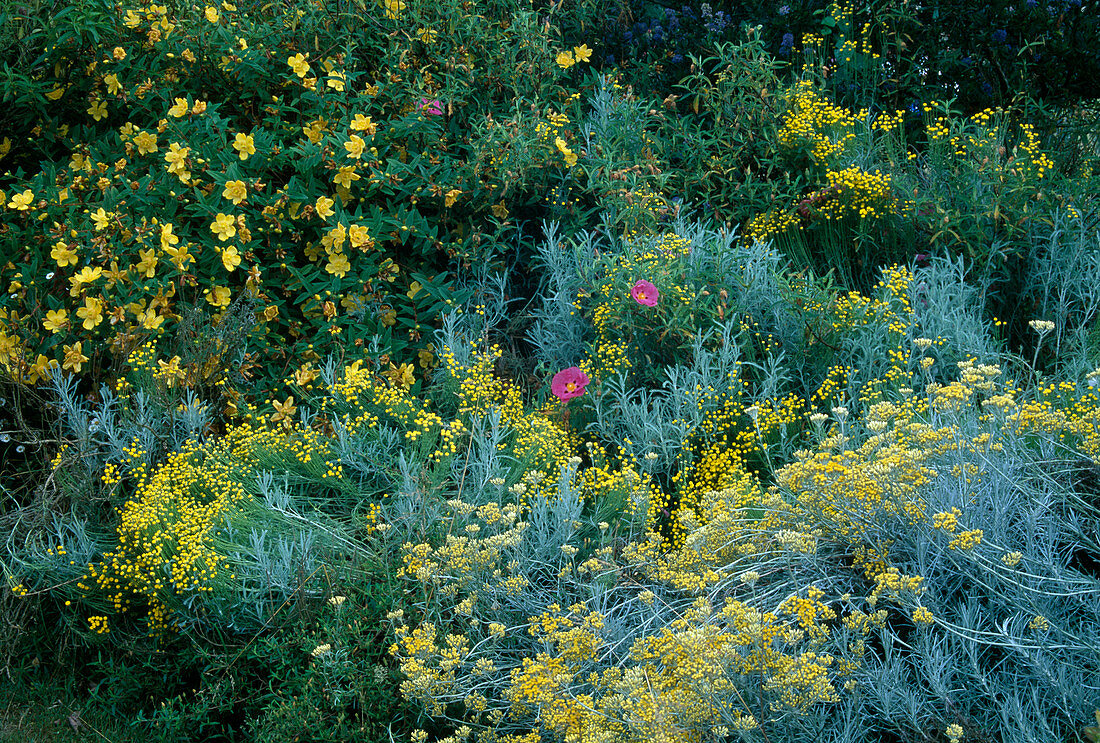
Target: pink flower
x=430 y=106
x=568 y=383
x=645 y=293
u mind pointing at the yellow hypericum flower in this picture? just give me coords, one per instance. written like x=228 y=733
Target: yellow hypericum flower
x=235 y=191
x=98 y=110
x=323 y=207
x=176 y=157
x=284 y=410
x=337 y=81
x=167 y=237
x=118 y=53
x=355 y=146
x=87 y=275
x=346 y=175
x=393 y=7
x=113 y=85
x=180 y=257
x=359 y=236
x=218 y=296
x=146 y=142
x=91 y=313
x=568 y=154
x=223 y=226
x=338 y=265
x=363 y=123
x=147 y=267
x=231 y=258
x=451 y=197
x=56 y=320
x=101 y=218
x=74 y=358
x=21 y=201
x=211 y=14
x=179 y=109
x=56 y=93
x=298 y=65
x=582 y=53
x=244 y=145
x=63 y=254
x=565 y=60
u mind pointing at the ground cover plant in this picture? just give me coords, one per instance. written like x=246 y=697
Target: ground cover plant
x=501 y=371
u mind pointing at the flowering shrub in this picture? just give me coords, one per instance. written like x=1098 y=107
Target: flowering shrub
x=327 y=192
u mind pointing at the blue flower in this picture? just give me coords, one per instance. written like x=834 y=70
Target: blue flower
x=999 y=36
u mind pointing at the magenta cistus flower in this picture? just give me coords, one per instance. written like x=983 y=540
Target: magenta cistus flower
x=645 y=293
x=569 y=383
x=430 y=106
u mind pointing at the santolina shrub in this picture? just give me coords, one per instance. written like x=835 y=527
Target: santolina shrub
x=764 y=562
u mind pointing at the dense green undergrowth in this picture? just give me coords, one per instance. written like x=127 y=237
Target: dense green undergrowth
x=549 y=372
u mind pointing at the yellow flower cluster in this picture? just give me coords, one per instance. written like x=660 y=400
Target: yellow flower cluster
x=814 y=123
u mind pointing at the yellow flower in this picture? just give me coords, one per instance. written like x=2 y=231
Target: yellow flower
x=359 y=236
x=451 y=197
x=565 y=60
x=244 y=145
x=180 y=257
x=283 y=411
x=118 y=53
x=113 y=85
x=86 y=276
x=298 y=65
x=323 y=207
x=211 y=14
x=56 y=320
x=568 y=154
x=146 y=142
x=91 y=312
x=345 y=176
x=218 y=296
x=363 y=123
x=582 y=53
x=355 y=146
x=21 y=201
x=167 y=237
x=74 y=358
x=56 y=93
x=176 y=157
x=101 y=218
x=179 y=109
x=405 y=376
x=98 y=110
x=338 y=265
x=231 y=258
x=427 y=35
x=393 y=7
x=337 y=81
x=147 y=267
x=235 y=191
x=223 y=226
